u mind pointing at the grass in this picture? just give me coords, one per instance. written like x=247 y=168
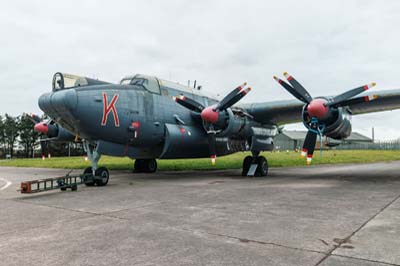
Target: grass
x=234 y=161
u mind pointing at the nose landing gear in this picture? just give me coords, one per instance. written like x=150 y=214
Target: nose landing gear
x=95 y=175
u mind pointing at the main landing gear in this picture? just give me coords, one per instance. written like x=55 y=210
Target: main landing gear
x=255 y=165
x=145 y=166
x=96 y=175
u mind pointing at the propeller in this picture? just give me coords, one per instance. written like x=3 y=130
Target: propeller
x=45 y=127
x=320 y=109
x=211 y=114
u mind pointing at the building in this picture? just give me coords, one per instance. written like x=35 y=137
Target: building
x=294 y=139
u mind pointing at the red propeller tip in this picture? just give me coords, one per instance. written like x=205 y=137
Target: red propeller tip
x=287 y=76
x=240 y=87
x=213 y=159
x=245 y=91
x=370 y=98
x=278 y=79
x=368 y=86
x=41 y=127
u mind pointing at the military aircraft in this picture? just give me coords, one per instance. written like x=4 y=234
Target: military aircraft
x=144 y=117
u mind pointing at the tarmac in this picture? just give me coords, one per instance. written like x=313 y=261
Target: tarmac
x=319 y=215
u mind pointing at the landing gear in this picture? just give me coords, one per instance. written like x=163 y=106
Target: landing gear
x=145 y=166
x=101 y=177
x=255 y=165
x=96 y=176
x=86 y=172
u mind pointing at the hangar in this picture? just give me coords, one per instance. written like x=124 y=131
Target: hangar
x=294 y=139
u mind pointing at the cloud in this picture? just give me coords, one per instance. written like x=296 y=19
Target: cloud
x=329 y=47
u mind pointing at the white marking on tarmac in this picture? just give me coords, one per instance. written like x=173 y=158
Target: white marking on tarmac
x=8 y=183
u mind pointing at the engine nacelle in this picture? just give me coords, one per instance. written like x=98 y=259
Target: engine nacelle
x=231 y=124
x=58 y=133
x=337 y=126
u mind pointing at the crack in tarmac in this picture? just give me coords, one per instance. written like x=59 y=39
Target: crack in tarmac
x=356 y=231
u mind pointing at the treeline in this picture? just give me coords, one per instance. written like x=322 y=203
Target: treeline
x=18 y=139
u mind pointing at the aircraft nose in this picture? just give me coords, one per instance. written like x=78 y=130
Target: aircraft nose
x=59 y=101
x=59 y=104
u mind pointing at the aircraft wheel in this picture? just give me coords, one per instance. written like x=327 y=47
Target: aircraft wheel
x=139 y=166
x=262 y=166
x=103 y=175
x=246 y=165
x=150 y=166
x=88 y=171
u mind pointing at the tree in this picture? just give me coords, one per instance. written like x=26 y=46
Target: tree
x=2 y=141
x=28 y=137
x=10 y=133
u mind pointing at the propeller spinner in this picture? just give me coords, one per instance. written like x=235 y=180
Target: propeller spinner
x=211 y=114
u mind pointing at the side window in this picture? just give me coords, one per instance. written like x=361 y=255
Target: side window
x=152 y=85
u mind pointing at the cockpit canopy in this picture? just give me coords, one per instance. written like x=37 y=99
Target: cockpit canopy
x=149 y=83
x=65 y=81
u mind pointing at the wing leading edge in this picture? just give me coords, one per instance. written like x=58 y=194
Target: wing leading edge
x=286 y=112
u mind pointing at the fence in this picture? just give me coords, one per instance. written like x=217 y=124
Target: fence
x=377 y=145
x=290 y=145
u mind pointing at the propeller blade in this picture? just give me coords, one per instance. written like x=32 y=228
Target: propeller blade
x=232 y=97
x=189 y=103
x=236 y=98
x=298 y=87
x=309 y=145
x=290 y=89
x=349 y=94
x=357 y=100
x=34 y=118
x=211 y=144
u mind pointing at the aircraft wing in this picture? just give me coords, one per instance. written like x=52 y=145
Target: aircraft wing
x=290 y=111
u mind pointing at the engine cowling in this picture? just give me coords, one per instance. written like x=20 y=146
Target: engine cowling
x=336 y=126
x=230 y=124
x=54 y=131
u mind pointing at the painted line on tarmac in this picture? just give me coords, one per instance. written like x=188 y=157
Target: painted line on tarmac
x=8 y=183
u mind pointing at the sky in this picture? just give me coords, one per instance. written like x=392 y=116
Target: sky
x=329 y=46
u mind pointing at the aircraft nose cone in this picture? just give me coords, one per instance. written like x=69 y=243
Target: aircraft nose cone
x=209 y=115
x=317 y=108
x=58 y=103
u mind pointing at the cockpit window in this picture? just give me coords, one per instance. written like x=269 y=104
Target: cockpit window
x=147 y=82
x=140 y=82
x=65 y=81
x=125 y=82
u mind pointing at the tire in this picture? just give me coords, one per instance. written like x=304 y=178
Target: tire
x=102 y=176
x=150 y=166
x=246 y=165
x=74 y=187
x=262 y=166
x=88 y=170
x=63 y=189
x=139 y=166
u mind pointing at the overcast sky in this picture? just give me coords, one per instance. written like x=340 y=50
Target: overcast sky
x=329 y=46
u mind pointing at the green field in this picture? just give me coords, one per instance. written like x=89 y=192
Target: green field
x=276 y=159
